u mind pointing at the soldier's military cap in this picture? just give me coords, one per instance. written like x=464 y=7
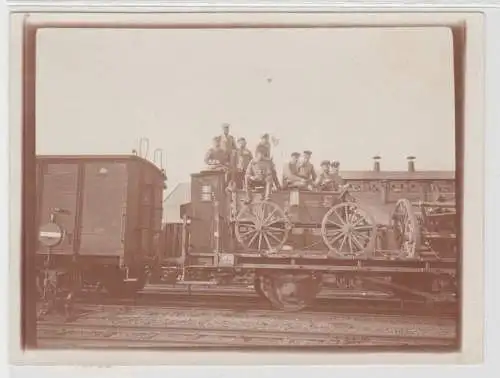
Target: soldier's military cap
x=295 y=154
x=307 y=152
x=241 y=139
x=335 y=163
x=325 y=163
x=266 y=135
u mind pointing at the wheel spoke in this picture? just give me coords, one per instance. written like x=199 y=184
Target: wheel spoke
x=356 y=241
x=243 y=234
x=332 y=222
x=339 y=217
x=252 y=240
x=363 y=236
x=333 y=231
x=363 y=228
x=258 y=214
x=276 y=229
x=269 y=245
x=342 y=243
x=350 y=243
x=354 y=215
x=340 y=234
x=269 y=217
x=260 y=240
x=249 y=232
x=274 y=237
x=360 y=219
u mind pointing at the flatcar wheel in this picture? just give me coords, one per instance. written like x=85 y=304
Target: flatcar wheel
x=348 y=230
x=406 y=228
x=262 y=226
x=291 y=292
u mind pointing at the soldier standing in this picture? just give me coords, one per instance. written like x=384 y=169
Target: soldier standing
x=227 y=142
x=243 y=158
x=265 y=146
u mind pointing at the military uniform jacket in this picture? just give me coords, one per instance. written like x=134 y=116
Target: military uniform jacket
x=261 y=170
x=243 y=158
x=216 y=156
x=227 y=143
x=306 y=171
x=290 y=173
x=266 y=149
x=330 y=181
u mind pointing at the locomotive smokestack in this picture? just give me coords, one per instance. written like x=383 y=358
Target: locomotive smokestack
x=376 y=163
x=411 y=163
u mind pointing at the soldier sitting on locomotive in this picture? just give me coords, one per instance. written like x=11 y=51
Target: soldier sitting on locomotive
x=327 y=181
x=258 y=174
x=265 y=146
x=216 y=158
x=306 y=170
x=243 y=158
x=291 y=178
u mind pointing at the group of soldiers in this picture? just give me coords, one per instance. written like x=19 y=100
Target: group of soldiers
x=248 y=171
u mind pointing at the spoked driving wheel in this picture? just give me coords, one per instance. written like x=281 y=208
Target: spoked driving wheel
x=348 y=230
x=262 y=226
x=290 y=292
x=406 y=228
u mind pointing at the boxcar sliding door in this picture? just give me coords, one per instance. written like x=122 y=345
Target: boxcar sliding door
x=104 y=201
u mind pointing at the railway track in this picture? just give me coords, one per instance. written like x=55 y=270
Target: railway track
x=126 y=336
x=249 y=301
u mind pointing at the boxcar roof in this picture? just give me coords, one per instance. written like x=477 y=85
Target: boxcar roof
x=91 y=157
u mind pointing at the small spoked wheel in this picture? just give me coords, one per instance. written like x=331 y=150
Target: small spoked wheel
x=348 y=231
x=406 y=228
x=262 y=226
x=291 y=292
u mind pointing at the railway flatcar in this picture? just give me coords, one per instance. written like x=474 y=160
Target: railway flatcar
x=296 y=240
x=99 y=220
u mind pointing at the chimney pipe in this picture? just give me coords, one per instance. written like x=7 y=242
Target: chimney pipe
x=376 y=163
x=411 y=163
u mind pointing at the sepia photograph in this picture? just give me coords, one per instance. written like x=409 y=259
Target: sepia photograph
x=246 y=188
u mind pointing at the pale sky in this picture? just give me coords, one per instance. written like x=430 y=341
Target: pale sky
x=345 y=94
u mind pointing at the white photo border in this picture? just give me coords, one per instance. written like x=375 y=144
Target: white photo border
x=473 y=193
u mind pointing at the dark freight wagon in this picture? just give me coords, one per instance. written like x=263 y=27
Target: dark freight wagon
x=100 y=217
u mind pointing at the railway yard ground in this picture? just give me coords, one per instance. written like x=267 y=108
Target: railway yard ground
x=163 y=316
